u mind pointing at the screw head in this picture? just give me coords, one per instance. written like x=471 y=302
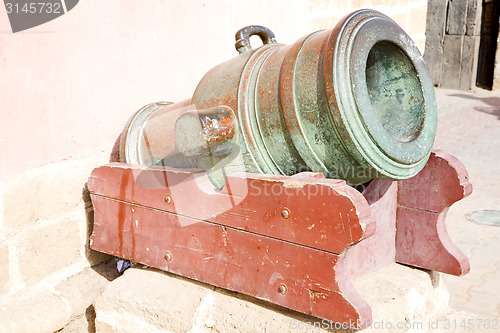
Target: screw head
x=282 y=289
x=285 y=213
x=168 y=199
x=168 y=256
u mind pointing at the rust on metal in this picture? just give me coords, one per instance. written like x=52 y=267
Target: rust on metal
x=353 y=103
x=168 y=199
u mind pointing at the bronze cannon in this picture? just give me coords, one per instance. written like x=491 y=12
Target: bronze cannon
x=353 y=102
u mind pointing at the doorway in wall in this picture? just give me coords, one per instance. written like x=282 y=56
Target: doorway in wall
x=488 y=43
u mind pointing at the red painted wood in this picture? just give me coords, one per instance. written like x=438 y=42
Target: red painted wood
x=422 y=241
x=380 y=249
x=240 y=239
x=423 y=201
x=325 y=214
x=230 y=258
x=443 y=181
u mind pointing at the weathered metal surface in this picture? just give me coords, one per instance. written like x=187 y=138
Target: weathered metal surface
x=297 y=241
x=353 y=102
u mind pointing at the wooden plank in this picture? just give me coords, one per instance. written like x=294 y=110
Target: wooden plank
x=380 y=249
x=457 y=17
x=452 y=58
x=324 y=214
x=423 y=201
x=444 y=176
x=468 y=67
x=422 y=241
x=290 y=275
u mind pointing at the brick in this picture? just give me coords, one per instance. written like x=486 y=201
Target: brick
x=386 y=3
x=46 y=191
x=151 y=300
x=81 y=290
x=84 y=323
x=4 y=267
x=420 y=43
x=324 y=23
x=318 y=5
x=400 y=19
x=44 y=251
x=41 y=312
x=418 y=19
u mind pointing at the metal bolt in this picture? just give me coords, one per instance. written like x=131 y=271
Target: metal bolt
x=168 y=199
x=285 y=213
x=282 y=289
x=168 y=256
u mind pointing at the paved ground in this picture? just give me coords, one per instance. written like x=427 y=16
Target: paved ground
x=469 y=128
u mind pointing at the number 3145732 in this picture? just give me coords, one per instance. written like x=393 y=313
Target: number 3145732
x=34 y=8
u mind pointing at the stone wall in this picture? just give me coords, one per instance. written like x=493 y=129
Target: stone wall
x=452 y=45
x=409 y=14
x=67 y=89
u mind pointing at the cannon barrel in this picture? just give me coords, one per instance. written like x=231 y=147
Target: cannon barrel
x=354 y=102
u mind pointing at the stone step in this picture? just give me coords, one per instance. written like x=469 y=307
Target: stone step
x=149 y=300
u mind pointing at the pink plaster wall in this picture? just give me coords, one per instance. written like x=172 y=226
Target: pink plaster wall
x=67 y=87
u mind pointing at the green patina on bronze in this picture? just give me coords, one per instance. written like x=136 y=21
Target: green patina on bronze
x=395 y=91
x=354 y=102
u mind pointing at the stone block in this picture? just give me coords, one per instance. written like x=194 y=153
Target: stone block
x=43 y=312
x=46 y=191
x=468 y=70
x=324 y=23
x=434 y=34
x=45 y=250
x=81 y=290
x=417 y=20
x=152 y=300
x=378 y=3
x=452 y=59
x=318 y=5
x=400 y=19
x=473 y=24
x=83 y=324
x=4 y=267
x=456 y=18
